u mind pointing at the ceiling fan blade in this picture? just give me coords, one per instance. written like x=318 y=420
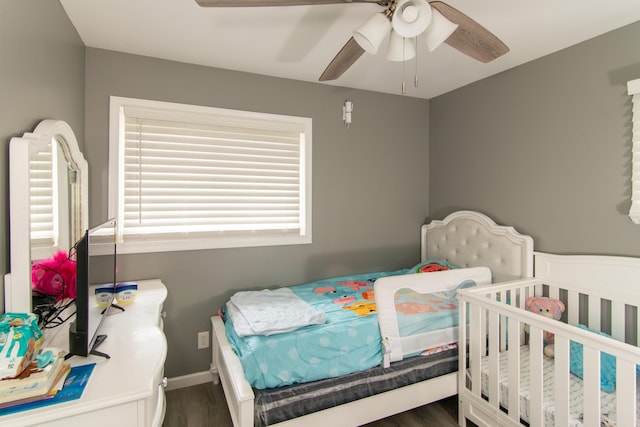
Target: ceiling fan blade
x=347 y=56
x=260 y=3
x=471 y=38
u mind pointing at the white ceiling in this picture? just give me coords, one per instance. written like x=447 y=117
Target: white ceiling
x=298 y=42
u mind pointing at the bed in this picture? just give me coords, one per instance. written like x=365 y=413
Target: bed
x=592 y=378
x=467 y=239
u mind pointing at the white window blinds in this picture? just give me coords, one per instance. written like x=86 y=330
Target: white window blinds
x=42 y=197
x=214 y=174
x=634 y=90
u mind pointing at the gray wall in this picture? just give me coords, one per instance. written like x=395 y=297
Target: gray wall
x=41 y=77
x=370 y=186
x=545 y=147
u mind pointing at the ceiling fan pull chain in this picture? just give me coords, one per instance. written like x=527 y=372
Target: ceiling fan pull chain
x=404 y=84
x=415 y=77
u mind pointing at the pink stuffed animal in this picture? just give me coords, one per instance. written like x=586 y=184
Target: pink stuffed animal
x=547 y=307
x=54 y=276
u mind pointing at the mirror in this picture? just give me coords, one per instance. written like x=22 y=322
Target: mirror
x=48 y=202
x=49 y=184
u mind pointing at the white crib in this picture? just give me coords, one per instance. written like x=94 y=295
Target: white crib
x=504 y=378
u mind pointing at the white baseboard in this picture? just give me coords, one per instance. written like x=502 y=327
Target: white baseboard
x=189 y=380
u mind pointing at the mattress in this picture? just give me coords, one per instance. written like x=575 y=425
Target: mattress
x=348 y=342
x=607 y=400
x=280 y=404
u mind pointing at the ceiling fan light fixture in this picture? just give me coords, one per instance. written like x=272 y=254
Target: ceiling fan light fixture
x=411 y=17
x=400 y=48
x=438 y=31
x=372 y=33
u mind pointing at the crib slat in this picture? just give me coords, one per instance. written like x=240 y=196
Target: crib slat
x=494 y=359
x=573 y=309
x=637 y=327
x=463 y=339
x=524 y=294
x=483 y=331
x=521 y=297
x=475 y=326
x=617 y=320
x=594 y=313
x=561 y=380
x=591 y=389
x=527 y=292
x=626 y=392
x=514 y=369
x=536 y=375
x=503 y=319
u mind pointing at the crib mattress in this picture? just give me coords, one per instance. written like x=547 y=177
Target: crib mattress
x=348 y=342
x=607 y=400
x=284 y=403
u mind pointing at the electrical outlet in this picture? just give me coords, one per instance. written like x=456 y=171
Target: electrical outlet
x=203 y=340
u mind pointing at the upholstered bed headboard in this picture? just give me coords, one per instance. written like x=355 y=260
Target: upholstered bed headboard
x=472 y=239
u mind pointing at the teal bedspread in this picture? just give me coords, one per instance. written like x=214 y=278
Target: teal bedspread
x=350 y=339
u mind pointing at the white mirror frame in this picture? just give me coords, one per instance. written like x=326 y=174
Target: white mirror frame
x=18 y=282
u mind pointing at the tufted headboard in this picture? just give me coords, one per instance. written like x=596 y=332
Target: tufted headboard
x=472 y=239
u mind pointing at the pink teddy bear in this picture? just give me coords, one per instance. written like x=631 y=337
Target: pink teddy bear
x=55 y=276
x=550 y=308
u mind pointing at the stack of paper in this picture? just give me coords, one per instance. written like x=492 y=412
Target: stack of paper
x=34 y=383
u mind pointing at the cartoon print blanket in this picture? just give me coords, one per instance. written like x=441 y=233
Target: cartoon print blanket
x=348 y=341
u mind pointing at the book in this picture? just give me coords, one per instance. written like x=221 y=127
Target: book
x=57 y=386
x=37 y=384
x=73 y=388
x=27 y=376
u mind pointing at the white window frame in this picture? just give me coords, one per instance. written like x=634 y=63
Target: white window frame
x=210 y=115
x=633 y=87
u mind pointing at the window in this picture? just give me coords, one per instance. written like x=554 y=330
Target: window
x=188 y=177
x=634 y=90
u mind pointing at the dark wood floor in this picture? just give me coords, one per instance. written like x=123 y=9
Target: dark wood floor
x=204 y=405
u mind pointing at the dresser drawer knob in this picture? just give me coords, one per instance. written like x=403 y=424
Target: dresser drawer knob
x=164 y=382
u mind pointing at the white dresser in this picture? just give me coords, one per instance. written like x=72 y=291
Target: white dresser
x=126 y=390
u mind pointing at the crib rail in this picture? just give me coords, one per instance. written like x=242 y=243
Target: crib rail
x=491 y=381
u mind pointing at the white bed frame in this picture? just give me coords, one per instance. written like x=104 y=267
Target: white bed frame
x=464 y=238
x=497 y=319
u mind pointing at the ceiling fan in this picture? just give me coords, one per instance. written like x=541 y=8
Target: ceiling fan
x=403 y=21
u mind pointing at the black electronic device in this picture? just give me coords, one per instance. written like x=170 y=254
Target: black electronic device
x=96 y=266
